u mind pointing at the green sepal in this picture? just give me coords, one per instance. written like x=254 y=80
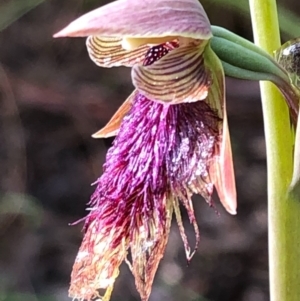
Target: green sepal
x=244 y=60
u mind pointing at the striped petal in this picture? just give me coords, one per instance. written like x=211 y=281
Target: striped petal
x=178 y=77
x=147 y=18
x=112 y=127
x=109 y=52
x=221 y=172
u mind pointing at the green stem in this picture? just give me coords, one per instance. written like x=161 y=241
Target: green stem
x=287 y=18
x=284 y=212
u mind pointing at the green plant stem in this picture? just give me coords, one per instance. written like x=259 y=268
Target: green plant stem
x=284 y=212
x=288 y=19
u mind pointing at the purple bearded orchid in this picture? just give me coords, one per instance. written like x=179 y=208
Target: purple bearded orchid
x=172 y=138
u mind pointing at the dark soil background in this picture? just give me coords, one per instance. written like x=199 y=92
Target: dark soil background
x=52 y=98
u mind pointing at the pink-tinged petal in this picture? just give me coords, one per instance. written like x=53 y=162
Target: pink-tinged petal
x=222 y=171
x=109 y=52
x=178 y=77
x=148 y=247
x=147 y=18
x=112 y=127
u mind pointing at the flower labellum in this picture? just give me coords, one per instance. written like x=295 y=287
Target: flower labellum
x=172 y=138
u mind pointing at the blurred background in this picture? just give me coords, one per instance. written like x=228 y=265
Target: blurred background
x=52 y=98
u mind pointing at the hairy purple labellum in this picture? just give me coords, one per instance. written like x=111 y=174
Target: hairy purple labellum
x=172 y=138
x=161 y=156
x=161 y=149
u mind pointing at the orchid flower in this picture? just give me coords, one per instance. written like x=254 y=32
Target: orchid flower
x=172 y=138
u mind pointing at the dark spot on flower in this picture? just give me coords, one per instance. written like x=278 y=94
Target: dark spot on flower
x=157 y=52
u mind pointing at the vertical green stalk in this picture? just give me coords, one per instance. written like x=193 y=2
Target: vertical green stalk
x=284 y=212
